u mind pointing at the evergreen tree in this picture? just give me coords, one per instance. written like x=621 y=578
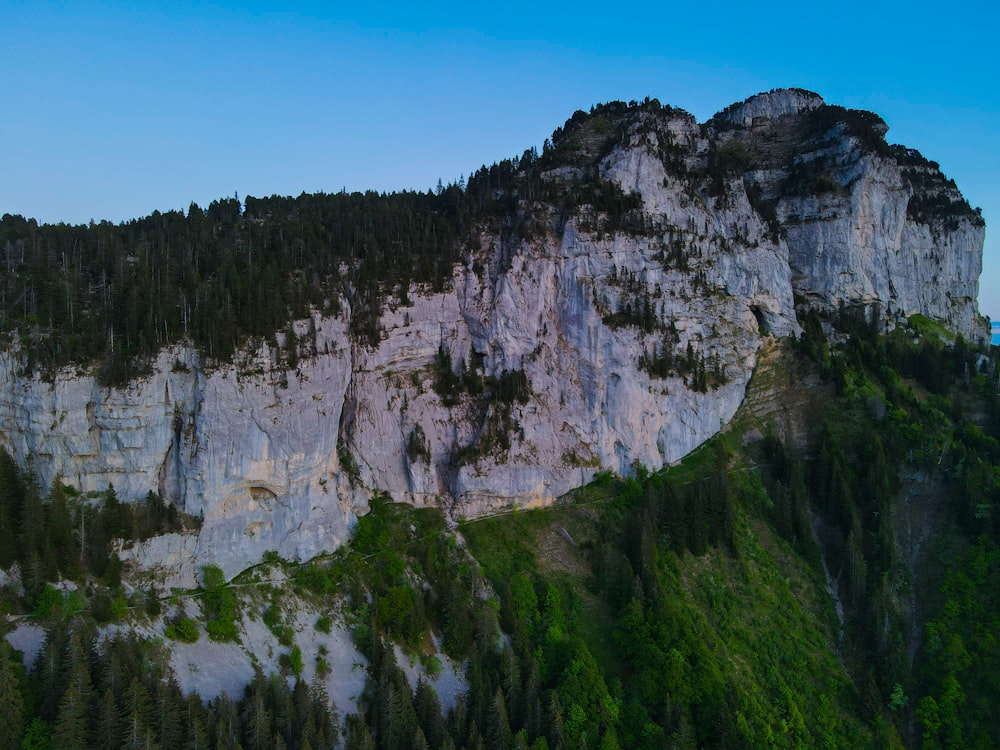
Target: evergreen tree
x=70 y=731
x=59 y=533
x=475 y=741
x=78 y=667
x=226 y=721
x=197 y=735
x=458 y=720
x=319 y=710
x=136 y=716
x=419 y=741
x=555 y=730
x=37 y=735
x=258 y=723
x=48 y=677
x=358 y=735
x=168 y=702
x=109 y=727
x=11 y=502
x=11 y=702
x=428 y=708
x=498 y=734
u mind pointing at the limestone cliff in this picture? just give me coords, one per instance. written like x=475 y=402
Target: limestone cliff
x=611 y=319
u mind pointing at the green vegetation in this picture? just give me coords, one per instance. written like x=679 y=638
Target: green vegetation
x=68 y=536
x=324 y=624
x=395 y=551
x=698 y=375
x=689 y=612
x=116 y=692
x=218 y=605
x=272 y=618
x=182 y=629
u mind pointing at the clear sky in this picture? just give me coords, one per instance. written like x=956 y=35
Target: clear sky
x=109 y=110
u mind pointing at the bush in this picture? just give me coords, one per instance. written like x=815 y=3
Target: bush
x=182 y=629
x=324 y=624
x=119 y=607
x=292 y=661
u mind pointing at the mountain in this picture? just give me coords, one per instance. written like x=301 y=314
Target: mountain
x=733 y=373
x=604 y=311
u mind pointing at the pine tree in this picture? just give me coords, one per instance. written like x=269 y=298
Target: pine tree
x=197 y=735
x=112 y=670
x=475 y=741
x=609 y=741
x=324 y=718
x=109 y=727
x=555 y=731
x=136 y=711
x=32 y=531
x=37 y=735
x=428 y=708
x=358 y=735
x=48 y=677
x=11 y=501
x=419 y=741
x=59 y=531
x=257 y=719
x=11 y=702
x=530 y=714
x=225 y=721
x=498 y=734
x=457 y=719
x=281 y=704
x=78 y=667
x=510 y=682
x=70 y=731
x=168 y=711
x=33 y=576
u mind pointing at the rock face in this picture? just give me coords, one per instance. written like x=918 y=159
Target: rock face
x=600 y=339
x=864 y=222
x=250 y=451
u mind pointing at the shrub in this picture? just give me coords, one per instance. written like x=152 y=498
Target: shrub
x=292 y=661
x=324 y=624
x=182 y=629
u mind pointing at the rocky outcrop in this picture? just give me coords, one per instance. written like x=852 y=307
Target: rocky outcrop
x=596 y=340
x=864 y=222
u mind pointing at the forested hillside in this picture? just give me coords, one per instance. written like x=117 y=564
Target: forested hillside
x=823 y=574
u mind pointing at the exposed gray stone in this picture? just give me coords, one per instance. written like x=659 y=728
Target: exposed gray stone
x=256 y=449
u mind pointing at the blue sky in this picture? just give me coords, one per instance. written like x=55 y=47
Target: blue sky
x=111 y=110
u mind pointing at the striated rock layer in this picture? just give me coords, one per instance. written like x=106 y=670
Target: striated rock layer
x=777 y=197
